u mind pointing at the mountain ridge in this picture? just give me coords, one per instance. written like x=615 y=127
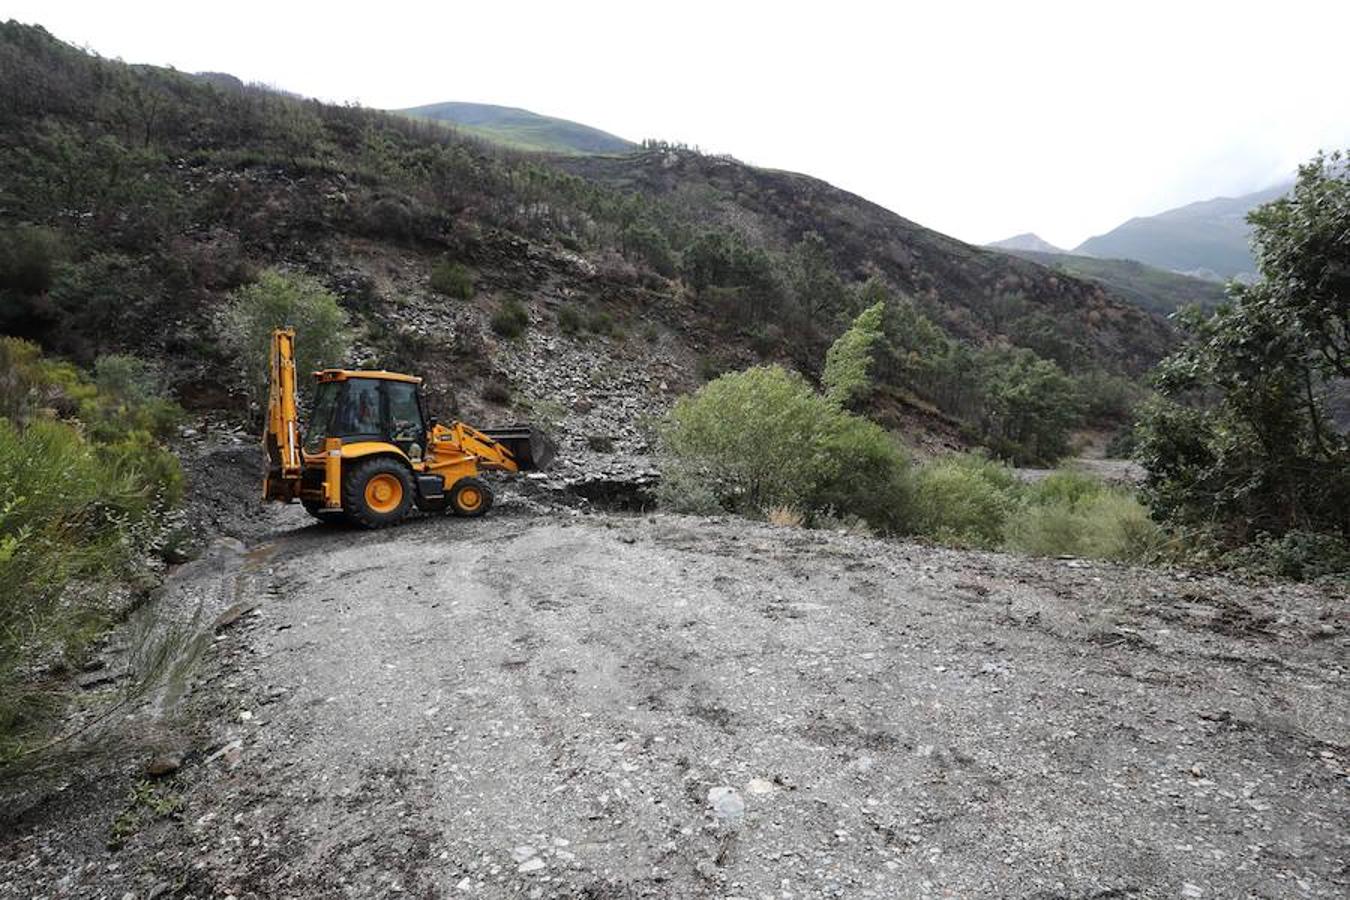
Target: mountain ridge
x=521 y=129
x=1206 y=238
x=1027 y=240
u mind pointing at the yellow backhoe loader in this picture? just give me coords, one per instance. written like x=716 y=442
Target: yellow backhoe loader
x=369 y=453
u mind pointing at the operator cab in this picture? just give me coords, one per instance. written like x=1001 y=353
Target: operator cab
x=367 y=406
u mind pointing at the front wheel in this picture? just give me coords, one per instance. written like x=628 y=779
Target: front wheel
x=377 y=492
x=470 y=497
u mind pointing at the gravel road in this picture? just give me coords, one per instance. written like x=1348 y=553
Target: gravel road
x=552 y=705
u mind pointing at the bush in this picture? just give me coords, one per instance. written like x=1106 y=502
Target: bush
x=570 y=321
x=964 y=500
x=1301 y=555
x=452 y=279
x=761 y=438
x=510 y=320
x=79 y=508
x=281 y=300
x=784 y=517
x=1105 y=524
x=644 y=242
x=130 y=396
x=600 y=322
x=497 y=392
x=28 y=259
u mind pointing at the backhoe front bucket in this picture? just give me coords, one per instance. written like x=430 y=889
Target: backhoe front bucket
x=531 y=447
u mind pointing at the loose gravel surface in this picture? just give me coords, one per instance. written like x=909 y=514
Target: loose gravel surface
x=556 y=705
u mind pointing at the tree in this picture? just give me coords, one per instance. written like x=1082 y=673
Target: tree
x=285 y=300
x=1028 y=405
x=846 y=379
x=815 y=283
x=1240 y=442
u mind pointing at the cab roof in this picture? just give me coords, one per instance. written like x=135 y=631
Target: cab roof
x=344 y=374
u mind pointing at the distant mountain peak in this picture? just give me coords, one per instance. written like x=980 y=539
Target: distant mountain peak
x=522 y=129
x=1026 y=241
x=1206 y=239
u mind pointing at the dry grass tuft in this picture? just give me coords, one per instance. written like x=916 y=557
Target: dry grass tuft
x=784 y=517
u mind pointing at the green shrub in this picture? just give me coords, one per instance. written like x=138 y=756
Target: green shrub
x=280 y=300
x=511 y=319
x=130 y=397
x=1073 y=514
x=601 y=322
x=570 y=321
x=497 y=391
x=28 y=258
x=642 y=241
x=761 y=438
x=452 y=279
x=1064 y=486
x=75 y=516
x=964 y=500
x=1301 y=555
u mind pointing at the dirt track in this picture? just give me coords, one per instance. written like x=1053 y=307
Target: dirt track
x=589 y=706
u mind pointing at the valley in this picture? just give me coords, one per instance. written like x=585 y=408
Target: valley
x=873 y=563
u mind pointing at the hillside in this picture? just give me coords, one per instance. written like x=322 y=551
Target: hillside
x=975 y=294
x=521 y=129
x=145 y=197
x=1156 y=290
x=1208 y=239
x=1025 y=241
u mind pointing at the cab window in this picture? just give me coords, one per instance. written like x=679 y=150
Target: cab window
x=358 y=410
x=321 y=415
x=405 y=414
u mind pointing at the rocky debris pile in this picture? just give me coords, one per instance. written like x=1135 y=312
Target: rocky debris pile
x=598 y=394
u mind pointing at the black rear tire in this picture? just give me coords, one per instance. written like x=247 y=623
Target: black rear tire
x=377 y=492
x=470 y=497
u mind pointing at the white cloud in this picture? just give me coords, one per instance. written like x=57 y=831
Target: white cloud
x=979 y=119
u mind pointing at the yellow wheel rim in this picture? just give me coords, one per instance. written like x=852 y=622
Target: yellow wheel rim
x=384 y=493
x=470 y=498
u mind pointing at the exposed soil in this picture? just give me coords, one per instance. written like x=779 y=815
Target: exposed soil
x=544 y=703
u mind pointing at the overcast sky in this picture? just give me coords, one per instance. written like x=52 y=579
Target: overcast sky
x=978 y=119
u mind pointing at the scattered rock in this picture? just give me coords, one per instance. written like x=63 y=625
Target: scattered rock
x=727 y=804
x=98 y=678
x=759 y=786
x=522 y=853
x=534 y=864
x=233 y=614
x=164 y=764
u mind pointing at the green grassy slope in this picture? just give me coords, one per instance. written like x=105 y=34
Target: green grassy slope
x=1153 y=289
x=521 y=129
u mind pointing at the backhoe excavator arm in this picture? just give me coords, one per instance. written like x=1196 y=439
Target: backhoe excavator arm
x=281 y=433
x=513 y=448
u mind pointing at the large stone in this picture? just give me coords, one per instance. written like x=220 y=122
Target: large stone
x=164 y=764
x=727 y=804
